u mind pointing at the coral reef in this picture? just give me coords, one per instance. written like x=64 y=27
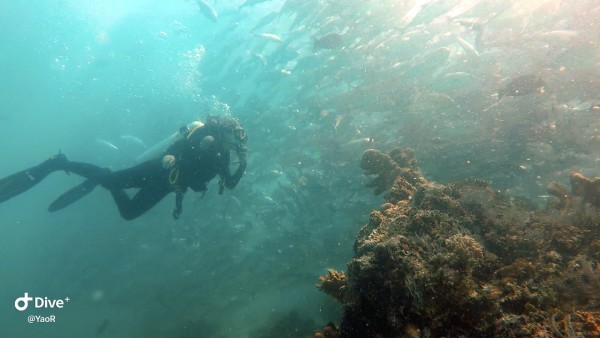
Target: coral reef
x=330 y=331
x=397 y=172
x=333 y=284
x=464 y=260
x=584 y=191
x=587 y=189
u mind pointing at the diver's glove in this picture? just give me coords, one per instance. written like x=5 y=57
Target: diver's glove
x=232 y=180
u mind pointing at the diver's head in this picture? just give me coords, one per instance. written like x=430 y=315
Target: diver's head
x=229 y=132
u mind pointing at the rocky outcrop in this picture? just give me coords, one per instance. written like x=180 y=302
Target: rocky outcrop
x=463 y=260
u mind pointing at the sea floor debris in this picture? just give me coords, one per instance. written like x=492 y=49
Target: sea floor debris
x=465 y=260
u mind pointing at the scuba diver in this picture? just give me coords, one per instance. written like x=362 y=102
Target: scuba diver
x=199 y=153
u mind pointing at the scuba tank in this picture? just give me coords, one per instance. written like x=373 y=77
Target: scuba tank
x=159 y=149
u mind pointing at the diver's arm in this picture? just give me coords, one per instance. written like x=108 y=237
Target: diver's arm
x=230 y=181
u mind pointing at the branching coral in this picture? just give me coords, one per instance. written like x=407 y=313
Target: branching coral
x=333 y=284
x=583 y=189
x=587 y=189
x=562 y=193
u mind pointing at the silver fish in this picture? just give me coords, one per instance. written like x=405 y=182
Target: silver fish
x=329 y=41
x=467 y=47
x=207 y=10
x=272 y=37
x=106 y=144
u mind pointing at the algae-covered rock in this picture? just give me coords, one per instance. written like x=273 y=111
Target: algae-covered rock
x=397 y=173
x=463 y=260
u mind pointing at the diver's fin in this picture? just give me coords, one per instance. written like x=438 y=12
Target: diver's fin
x=22 y=181
x=15 y=184
x=73 y=195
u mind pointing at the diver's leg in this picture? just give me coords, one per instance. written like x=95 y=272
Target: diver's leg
x=87 y=170
x=138 y=176
x=17 y=183
x=144 y=200
x=135 y=177
x=94 y=174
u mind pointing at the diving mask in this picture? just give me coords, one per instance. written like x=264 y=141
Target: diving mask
x=240 y=135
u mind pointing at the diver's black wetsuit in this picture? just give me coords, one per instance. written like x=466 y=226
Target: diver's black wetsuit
x=149 y=177
x=195 y=166
x=198 y=158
